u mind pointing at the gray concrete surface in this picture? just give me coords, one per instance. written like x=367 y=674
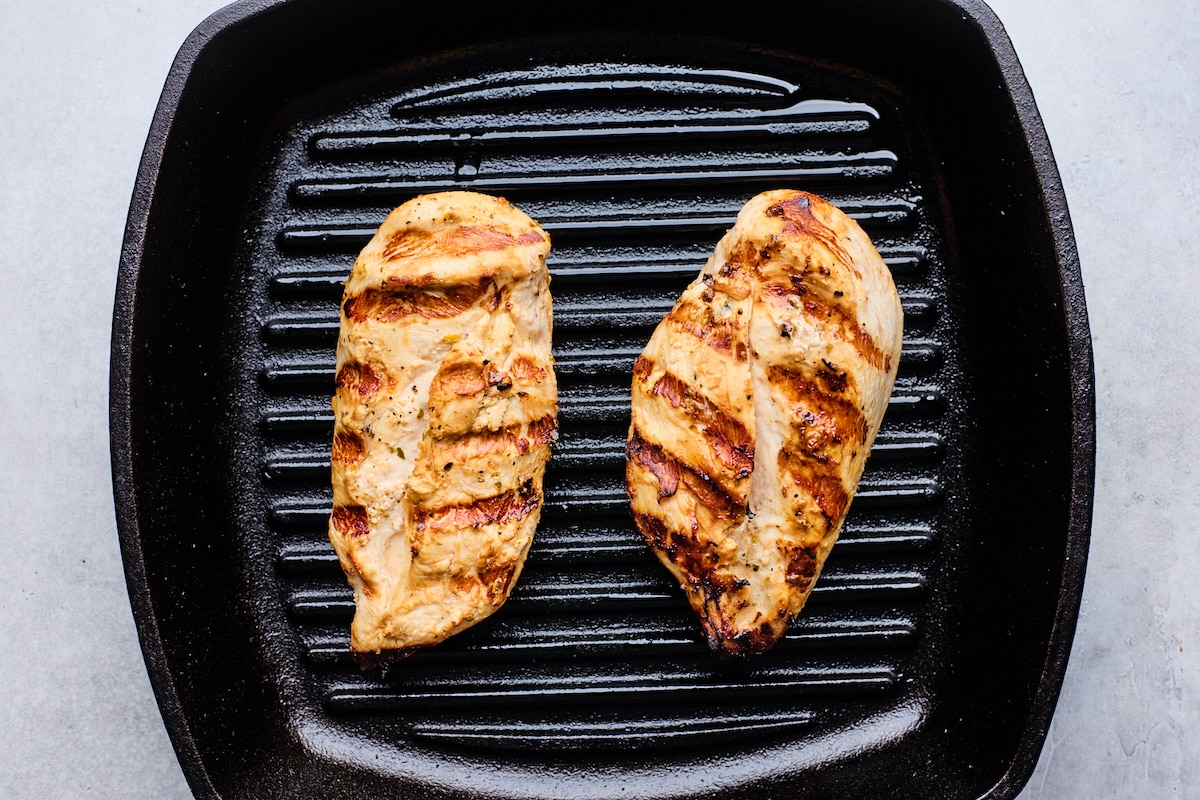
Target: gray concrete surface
x=1118 y=86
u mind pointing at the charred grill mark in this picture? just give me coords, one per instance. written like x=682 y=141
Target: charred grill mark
x=698 y=560
x=801 y=567
x=496 y=578
x=642 y=368
x=746 y=642
x=543 y=431
x=799 y=221
x=351 y=521
x=730 y=439
x=818 y=301
x=671 y=388
x=511 y=506
x=827 y=423
x=701 y=321
x=355 y=376
x=845 y=321
x=834 y=381
x=653 y=529
x=712 y=494
x=395 y=302
x=822 y=436
x=492 y=577
x=760 y=639
x=348 y=447
x=481 y=443
x=672 y=473
x=411 y=243
x=476 y=444
x=704 y=573
x=463 y=379
x=460 y=241
x=526 y=370
x=835 y=316
x=664 y=468
x=824 y=404
x=735 y=277
x=820 y=481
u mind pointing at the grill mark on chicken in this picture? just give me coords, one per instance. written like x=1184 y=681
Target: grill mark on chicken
x=827 y=427
x=653 y=528
x=730 y=439
x=654 y=458
x=837 y=318
x=709 y=579
x=739 y=272
x=823 y=403
x=725 y=335
x=468 y=378
x=464 y=379
x=391 y=304
x=718 y=498
x=351 y=521
x=670 y=387
x=755 y=640
x=543 y=431
x=494 y=579
x=348 y=447
x=355 y=376
x=476 y=444
x=642 y=367
x=822 y=483
x=510 y=506
x=699 y=559
x=672 y=473
x=412 y=243
x=802 y=567
x=524 y=370
x=800 y=222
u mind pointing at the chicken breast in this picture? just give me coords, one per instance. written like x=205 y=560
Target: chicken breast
x=755 y=404
x=444 y=413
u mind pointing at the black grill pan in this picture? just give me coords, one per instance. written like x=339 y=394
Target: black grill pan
x=929 y=659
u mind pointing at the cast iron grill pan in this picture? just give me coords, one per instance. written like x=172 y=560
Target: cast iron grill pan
x=635 y=169
x=635 y=152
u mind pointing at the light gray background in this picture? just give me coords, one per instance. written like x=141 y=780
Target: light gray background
x=1118 y=85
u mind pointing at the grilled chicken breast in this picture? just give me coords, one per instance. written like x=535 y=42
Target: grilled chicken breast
x=755 y=404
x=444 y=412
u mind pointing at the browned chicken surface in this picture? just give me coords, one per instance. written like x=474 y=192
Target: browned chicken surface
x=444 y=413
x=755 y=404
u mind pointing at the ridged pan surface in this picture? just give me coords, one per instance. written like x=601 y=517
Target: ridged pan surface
x=635 y=170
x=594 y=678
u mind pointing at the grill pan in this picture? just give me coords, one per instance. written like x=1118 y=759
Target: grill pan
x=929 y=659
